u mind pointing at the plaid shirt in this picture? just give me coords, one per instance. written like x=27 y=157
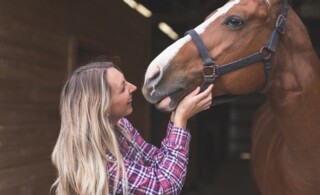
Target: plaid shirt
x=153 y=170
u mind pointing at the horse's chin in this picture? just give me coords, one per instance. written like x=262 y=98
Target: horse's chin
x=165 y=105
x=170 y=102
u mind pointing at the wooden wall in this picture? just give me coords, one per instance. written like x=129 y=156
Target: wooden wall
x=40 y=41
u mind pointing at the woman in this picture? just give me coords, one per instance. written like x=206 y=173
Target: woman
x=98 y=150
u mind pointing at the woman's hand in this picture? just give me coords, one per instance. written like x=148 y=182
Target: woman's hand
x=190 y=105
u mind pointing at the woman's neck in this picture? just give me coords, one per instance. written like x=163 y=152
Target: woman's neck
x=113 y=121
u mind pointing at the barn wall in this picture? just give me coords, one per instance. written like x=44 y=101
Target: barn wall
x=39 y=44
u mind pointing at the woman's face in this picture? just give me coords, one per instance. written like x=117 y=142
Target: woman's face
x=121 y=95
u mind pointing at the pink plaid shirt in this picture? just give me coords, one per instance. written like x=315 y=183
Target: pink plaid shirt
x=153 y=170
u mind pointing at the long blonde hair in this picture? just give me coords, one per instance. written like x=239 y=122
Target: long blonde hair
x=86 y=134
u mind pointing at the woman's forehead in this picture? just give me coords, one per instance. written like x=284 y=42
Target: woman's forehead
x=115 y=77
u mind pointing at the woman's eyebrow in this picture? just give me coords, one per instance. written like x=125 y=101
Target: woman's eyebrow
x=122 y=85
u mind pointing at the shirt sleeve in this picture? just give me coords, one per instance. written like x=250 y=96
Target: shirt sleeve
x=163 y=170
x=148 y=150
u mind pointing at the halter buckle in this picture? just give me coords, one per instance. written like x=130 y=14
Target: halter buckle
x=209 y=72
x=281 y=24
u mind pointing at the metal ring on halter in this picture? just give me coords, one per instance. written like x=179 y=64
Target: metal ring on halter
x=266 y=57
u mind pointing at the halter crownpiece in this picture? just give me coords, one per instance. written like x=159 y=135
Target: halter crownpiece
x=212 y=71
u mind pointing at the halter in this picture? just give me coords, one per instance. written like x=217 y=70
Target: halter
x=211 y=71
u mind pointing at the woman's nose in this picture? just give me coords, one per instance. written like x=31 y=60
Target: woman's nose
x=132 y=87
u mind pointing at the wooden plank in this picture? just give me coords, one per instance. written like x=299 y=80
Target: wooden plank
x=11 y=135
x=25 y=74
x=20 y=33
x=11 y=92
x=26 y=144
x=18 y=155
x=28 y=114
x=32 y=54
x=27 y=174
x=41 y=187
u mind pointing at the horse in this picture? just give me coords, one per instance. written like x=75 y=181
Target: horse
x=249 y=46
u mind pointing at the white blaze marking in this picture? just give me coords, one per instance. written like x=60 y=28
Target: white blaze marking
x=202 y=27
x=168 y=54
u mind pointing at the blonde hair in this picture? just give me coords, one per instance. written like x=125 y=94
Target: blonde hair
x=86 y=134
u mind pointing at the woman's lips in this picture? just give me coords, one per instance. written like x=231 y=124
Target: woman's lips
x=130 y=102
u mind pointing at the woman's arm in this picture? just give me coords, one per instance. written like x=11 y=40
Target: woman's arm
x=148 y=151
x=165 y=170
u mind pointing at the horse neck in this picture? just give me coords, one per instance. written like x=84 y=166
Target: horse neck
x=293 y=89
x=295 y=66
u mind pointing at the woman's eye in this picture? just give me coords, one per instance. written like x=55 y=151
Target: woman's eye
x=234 y=22
x=123 y=89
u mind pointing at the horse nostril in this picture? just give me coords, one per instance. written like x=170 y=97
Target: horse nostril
x=155 y=73
x=153 y=78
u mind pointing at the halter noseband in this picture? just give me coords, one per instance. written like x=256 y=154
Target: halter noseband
x=212 y=71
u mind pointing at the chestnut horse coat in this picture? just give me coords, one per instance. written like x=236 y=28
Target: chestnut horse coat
x=286 y=129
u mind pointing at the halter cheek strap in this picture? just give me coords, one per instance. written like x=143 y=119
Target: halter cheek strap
x=211 y=70
x=209 y=73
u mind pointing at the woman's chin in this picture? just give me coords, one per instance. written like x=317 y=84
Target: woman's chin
x=129 y=110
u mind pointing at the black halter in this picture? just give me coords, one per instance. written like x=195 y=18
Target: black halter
x=212 y=70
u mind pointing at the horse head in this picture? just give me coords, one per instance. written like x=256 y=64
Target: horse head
x=239 y=29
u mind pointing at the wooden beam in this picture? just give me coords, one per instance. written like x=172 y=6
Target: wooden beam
x=191 y=15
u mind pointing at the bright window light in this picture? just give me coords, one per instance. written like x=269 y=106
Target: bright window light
x=139 y=8
x=131 y=3
x=144 y=11
x=245 y=155
x=165 y=28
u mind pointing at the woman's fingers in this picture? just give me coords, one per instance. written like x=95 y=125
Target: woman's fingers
x=194 y=92
x=206 y=98
x=206 y=92
x=196 y=100
x=192 y=104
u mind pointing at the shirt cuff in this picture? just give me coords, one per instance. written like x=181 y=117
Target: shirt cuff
x=169 y=127
x=179 y=137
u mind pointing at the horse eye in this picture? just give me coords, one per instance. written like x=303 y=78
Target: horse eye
x=234 y=22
